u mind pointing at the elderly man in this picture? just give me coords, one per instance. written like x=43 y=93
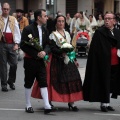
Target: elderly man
x=9 y=40
x=102 y=69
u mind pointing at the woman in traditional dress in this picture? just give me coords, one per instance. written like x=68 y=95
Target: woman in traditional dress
x=92 y=27
x=64 y=81
x=82 y=22
x=100 y=20
x=93 y=24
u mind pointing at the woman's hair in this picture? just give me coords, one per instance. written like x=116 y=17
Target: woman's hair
x=81 y=12
x=101 y=16
x=91 y=16
x=55 y=20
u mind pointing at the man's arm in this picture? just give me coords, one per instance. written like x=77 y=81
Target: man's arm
x=26 y=48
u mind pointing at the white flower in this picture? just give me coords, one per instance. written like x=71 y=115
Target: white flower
x=30 y=36
x=66 y=45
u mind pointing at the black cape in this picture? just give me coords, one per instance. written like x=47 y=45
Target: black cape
x=96 y=87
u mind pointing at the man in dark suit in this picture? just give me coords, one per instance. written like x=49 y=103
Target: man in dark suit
x=103 y=65
x=33 y=61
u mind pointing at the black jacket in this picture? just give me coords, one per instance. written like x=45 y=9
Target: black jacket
x=32 y=29
x=96 y=87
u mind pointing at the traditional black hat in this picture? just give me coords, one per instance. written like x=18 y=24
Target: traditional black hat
x=19 y=10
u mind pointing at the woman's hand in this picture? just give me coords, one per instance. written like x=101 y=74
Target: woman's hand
x=63 y=54
x=76 y=63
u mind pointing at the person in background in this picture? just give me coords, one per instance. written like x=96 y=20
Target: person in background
x=68 y=19
x=117 y=25
x=14 y=14
x=23 y=21
x=100 y=20
x=82 y=23
x=102 y=68
x=31 y=16
x=58 y=13
x=9 y=39
x=33 y=61
x=92 y=27
x=26 y=15
x=72 y=24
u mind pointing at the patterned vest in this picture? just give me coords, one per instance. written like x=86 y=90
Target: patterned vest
x=11 y=25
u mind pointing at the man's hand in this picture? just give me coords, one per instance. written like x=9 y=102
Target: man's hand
x=41 y=54
x=15 y=47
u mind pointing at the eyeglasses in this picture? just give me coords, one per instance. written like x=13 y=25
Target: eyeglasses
x=6 y=9
x=108 y=18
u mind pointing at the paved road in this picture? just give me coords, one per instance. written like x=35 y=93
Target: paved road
x=12 y=104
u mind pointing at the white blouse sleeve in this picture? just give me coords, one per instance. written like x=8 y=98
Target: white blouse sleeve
x=52 y=37
x=17 y=34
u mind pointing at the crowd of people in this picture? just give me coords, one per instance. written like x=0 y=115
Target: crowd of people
x=44 y=39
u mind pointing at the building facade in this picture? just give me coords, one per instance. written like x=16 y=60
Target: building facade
x=66 y=6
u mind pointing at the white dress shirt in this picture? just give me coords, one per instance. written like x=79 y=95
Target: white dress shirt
x=40 y=34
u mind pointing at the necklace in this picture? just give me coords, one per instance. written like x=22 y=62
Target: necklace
x=64 y=36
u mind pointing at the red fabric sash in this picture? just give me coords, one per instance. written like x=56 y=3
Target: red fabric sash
x=8 y=37
x=114 y=57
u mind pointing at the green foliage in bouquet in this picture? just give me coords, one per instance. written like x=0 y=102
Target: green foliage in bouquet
x=34 y=42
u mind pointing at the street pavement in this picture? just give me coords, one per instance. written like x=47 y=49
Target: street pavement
x=12 y=104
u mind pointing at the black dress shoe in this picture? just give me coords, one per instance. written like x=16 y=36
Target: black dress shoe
x=110 y=108
x=29 y=110
x=46 y=111
x=104 y=109
x=73 y=108
x=12 y=86
x=4 y=89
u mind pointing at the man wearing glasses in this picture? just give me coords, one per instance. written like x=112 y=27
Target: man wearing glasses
x=102 y=69
x=9 y=40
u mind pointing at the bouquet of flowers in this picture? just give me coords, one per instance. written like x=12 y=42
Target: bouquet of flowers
x=68 y=48
x=34 y=42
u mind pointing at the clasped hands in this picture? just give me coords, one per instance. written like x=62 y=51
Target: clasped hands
x=76 y=63
x=41 y=54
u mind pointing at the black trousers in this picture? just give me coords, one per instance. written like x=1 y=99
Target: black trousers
x=34 y=69
x=115 y=82
x=7 y=55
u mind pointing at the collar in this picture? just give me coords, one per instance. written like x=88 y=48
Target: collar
x=39 y=26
